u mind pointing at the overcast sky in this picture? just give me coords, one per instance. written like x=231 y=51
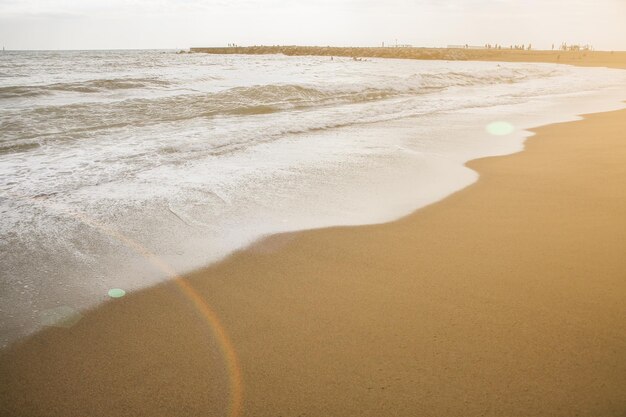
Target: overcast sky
x=104 y=24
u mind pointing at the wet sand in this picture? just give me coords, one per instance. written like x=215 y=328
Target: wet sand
x=507 y=298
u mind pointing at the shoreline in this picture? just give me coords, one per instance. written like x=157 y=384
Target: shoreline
x=340 y=322
x=425 y=152
x=352 y=341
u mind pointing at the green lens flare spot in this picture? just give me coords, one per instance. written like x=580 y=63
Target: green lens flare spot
x=116 y=293
x=500 y=128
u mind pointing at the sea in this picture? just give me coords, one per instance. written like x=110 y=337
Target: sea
x=123 y=169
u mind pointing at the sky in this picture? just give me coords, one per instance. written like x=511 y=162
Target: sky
x=180 y=24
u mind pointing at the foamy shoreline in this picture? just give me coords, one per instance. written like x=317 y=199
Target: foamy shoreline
x=406 y=173
x=508 y=292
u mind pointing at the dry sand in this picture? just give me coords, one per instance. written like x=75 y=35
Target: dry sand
x=506 y=299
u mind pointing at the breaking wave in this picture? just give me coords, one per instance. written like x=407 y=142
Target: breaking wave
x=89 y=86
x=70 y=121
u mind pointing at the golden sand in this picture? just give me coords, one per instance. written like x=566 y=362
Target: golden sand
x=507 y=298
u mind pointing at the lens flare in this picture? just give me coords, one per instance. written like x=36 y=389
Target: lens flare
x=66 y=316
x=116 y=293
x=500 y=128
x=200 y=305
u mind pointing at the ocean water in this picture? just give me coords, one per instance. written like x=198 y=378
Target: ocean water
x=120 y=168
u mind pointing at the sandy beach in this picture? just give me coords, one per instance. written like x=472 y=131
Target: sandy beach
x=507 y=298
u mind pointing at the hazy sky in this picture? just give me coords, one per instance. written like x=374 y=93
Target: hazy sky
x=103 y=24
